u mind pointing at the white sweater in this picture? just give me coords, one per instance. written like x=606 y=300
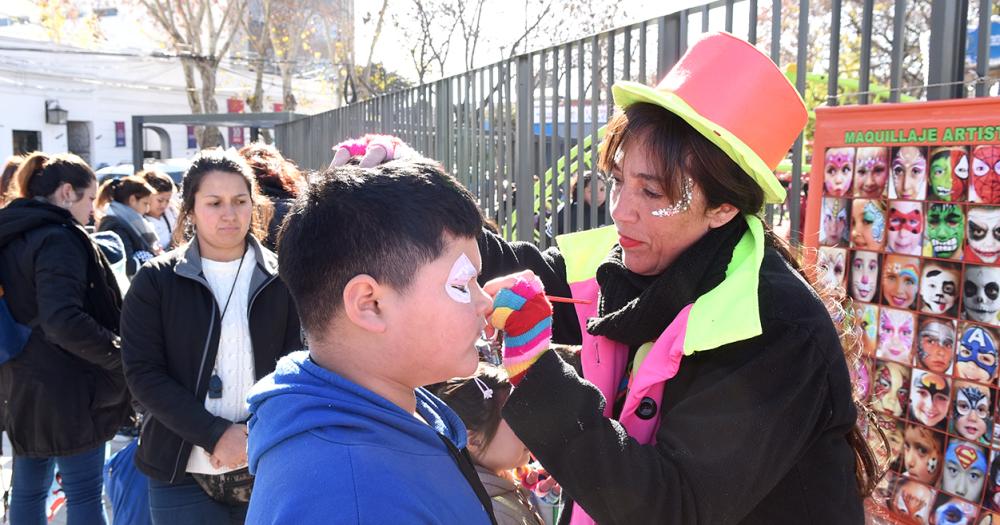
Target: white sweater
x=234 y=362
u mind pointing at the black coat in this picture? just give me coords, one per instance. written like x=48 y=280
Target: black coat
x=65 y=393
x=137 y=250
x=170 y=338
x=754 y=432
x=282 y=201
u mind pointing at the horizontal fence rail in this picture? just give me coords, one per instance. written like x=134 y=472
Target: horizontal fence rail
x=518 y=133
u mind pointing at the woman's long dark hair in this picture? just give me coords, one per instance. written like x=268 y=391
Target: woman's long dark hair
x=673 y=144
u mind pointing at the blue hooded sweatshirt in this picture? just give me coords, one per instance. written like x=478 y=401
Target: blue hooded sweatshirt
x=326 y=450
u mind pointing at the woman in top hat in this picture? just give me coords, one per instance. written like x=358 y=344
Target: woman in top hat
x=712 y=385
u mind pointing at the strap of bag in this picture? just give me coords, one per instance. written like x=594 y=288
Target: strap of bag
x=464 y=462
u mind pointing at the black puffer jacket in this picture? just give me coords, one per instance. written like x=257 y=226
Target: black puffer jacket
x=282 y=201
x=137 y=250
x=170 y=338
x=66 y=392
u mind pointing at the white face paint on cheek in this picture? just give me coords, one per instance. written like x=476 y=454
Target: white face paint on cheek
x=462 y=272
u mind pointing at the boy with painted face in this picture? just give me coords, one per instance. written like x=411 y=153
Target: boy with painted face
x=981 y=300
x=864 y=275
x=923 y=454
x=965 y=470
x=929 y=396
x=976 y=357
x=945 y=231
x=871 y=172
x=906 y=227
x=983 y=234
x=949 y=173
x=939 y=288
x=909 y=174
x=895 y=335
x=936 y=345
x=900 y=277
x=985 y=185
x=868 y=224
x=972 y=415
x=953 y=511
x=833 y=222
x=838 y=171
x=891 y=388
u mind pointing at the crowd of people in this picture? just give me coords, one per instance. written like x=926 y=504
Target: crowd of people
x=313 y=352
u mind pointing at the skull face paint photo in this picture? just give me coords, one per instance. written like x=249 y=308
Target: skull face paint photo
x=906 y=227
x=838 y=171
x=868 y=224
x=890 y=388
x=896 y=332
x=982 y=243
x=936 y=344
x=900 y=277
x=833 y=230
x=945 y=231
x=909 y=174
x=976 y=355
x=939 y=288
x=985 y=186
x=871 y=172
x=981 y=294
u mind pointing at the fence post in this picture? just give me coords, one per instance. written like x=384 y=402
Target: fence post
x=523 y=176
x=671 y=42
x=442 y=123
x=947 y=49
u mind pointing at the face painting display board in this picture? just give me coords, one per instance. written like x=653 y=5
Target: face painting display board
x=904 y=216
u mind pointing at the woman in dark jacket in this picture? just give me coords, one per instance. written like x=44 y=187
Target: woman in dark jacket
x=200 y=325
x=570 y=220
x=125 y=201
x=711 y=386
x=278 y=179
x=65 y=393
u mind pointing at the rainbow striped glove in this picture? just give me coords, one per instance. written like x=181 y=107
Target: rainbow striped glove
x=524 y=314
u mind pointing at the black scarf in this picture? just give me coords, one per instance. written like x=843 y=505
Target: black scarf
x=635 y=309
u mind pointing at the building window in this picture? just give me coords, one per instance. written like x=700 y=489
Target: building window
x=26 y=142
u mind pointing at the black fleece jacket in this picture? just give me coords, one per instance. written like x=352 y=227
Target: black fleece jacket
x=753 y=432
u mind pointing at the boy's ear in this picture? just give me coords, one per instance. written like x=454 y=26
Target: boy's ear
x=361 y=303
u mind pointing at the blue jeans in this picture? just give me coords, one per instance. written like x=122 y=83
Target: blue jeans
x=185 y=502
x=82 y=482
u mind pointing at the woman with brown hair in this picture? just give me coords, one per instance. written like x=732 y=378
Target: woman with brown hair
x=64 y=394
x=712 y=384
x=124 y=201
x=199 y=326
x=279 y=181
x=8 y=188
x=161 y=214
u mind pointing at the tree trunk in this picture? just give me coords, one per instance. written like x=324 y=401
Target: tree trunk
x=211 y=137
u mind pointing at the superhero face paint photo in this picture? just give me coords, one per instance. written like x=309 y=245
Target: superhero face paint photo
x=945 y=231
x=838 y=171
x=953 y=511
x=949 y=174
x=972 y=415
x=976 y=354
x=832 y=263
x=965 y=470
x=864 y=275
x=981 y=297
x=871 y=172
x=939 y=286
x=985 y=186
x=896 y=331
x=890 y=388
x=906 y=227
x=983 y=235
x=900 y=277
x=936 y=344
x=833 y=229
x=929 y=397
x=868 y=224
x=909 y=174
x=923 y=454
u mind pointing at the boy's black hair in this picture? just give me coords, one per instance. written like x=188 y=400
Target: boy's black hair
x=385 y=222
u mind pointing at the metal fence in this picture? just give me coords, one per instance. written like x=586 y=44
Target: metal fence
x=501 y=129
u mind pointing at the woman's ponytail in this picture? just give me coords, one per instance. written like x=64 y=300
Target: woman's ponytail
x=41 y=174
x=29 y=168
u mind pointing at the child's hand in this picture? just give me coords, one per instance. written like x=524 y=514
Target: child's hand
x=373 y=150
x=523 y=313
x=537 y=479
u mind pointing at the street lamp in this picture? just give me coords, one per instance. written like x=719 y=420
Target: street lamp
x=54 y=114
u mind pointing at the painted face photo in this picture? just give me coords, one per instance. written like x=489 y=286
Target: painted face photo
x=965 y=470
x=833 y=222
x=976 y=354
x=861 y=376
x=909 y=174
x=985 y=186
x=983 y=235
x=972 y=415
x=864 y=275
x=936 y=344
x=945 y=231
x=896 y=331
x=929 y=397
x=890 y=388
x=981 y=297
x=893 y=429
x=871 y=172
x=832 y=263
x=939 y=286
x=867 y=315
x=923 y=454
x=868 y=224
x=949 y=174
x=900 y=280
x=950 y=510
x=906 y=227
x=838 y=171
x=992 y=500
x=913 y=500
